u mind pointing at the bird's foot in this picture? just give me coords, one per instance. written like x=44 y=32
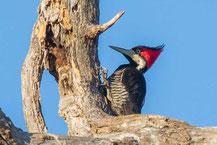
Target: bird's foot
x=104 y=72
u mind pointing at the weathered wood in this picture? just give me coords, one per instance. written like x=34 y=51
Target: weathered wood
x=131 y=129
x=64 y=41
x=9 y=134
x=31 y=77
x=95 y=30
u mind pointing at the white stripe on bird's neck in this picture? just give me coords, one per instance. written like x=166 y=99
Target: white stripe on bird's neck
x=139 y=61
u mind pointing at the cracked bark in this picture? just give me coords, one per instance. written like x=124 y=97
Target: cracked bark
x=64 y=41
x=130 y=129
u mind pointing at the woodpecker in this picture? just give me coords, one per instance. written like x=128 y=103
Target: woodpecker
x=126 y=87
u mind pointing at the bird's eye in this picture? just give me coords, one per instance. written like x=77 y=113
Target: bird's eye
x=138 y=51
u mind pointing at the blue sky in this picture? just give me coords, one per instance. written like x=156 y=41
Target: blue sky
x=182 y=84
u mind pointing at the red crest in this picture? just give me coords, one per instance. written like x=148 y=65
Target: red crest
x=150 y=55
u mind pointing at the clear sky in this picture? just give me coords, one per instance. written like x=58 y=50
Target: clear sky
x=182 y=84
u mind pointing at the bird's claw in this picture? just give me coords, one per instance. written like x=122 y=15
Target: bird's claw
x=104 y=72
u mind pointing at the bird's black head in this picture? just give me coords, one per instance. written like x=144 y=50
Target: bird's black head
x=142 y=57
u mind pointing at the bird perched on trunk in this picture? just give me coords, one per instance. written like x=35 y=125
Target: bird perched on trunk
x=126 y=87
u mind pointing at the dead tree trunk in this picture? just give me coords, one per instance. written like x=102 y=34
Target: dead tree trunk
x=64 y=41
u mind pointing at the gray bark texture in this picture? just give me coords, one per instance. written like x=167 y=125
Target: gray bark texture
x=64 y=41
x=122 y=130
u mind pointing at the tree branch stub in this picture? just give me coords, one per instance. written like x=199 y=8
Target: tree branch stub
x=95 y=30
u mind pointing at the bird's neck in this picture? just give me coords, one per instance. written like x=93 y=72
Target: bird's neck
x=138 y=62
x=142 y=69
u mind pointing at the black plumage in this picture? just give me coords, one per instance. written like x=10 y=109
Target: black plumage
x=128 y=88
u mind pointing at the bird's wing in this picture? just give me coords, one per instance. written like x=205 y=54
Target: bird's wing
x=135 y=85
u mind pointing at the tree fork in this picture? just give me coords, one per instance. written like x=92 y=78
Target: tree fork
x=64 y=41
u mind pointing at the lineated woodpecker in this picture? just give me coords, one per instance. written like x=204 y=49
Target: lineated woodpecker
x=126 y=87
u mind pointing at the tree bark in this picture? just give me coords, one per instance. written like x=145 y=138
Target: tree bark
x=130 y=129
x=64 y=41
x=9 y=134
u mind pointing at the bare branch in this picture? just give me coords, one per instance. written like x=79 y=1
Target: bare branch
x=107 y=25
x=95 y=30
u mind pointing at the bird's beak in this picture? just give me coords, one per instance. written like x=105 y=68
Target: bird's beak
x=126 y=52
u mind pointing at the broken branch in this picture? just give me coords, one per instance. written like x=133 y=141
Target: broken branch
x=95 y=30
